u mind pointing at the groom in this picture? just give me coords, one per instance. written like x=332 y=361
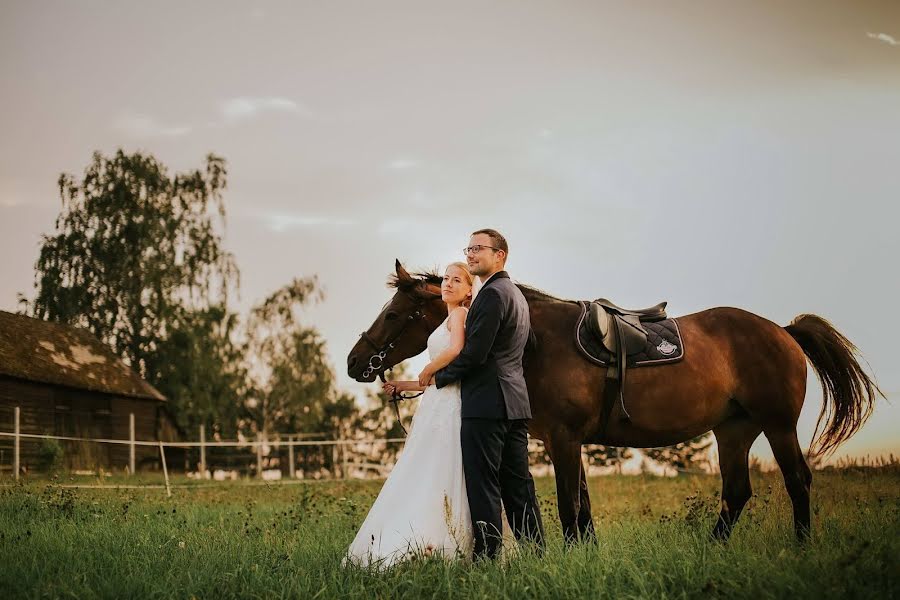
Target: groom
x=495 y=408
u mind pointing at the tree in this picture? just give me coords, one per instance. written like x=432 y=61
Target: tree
x=293 y=387
x=684 y=455
x=607 y=456
x=208 y=385
x=137 y=259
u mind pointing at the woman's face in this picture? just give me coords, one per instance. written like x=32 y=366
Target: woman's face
x=455 y=288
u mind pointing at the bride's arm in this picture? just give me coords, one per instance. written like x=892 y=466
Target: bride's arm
x=402 y=386
x=457 y=323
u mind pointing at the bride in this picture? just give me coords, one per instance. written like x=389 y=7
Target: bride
x=423 y=508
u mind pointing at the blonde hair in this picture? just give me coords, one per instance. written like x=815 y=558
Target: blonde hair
x=469 y=277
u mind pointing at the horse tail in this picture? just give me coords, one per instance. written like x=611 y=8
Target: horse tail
x=849 y=393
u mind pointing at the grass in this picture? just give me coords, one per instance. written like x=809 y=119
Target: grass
x=232 y=541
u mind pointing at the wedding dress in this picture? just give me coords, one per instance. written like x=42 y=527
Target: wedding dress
x=422 y=507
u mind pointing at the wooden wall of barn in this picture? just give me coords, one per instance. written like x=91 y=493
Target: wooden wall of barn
x=57 y=410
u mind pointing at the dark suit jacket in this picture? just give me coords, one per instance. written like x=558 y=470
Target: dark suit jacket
x=489 y=367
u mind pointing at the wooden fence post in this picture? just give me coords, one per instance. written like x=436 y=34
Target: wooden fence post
x=162 y=455
x=17 y=452
x=258 y=458
x=344 y=461
x=131 y=445
x=202 y=450
x=291 y=468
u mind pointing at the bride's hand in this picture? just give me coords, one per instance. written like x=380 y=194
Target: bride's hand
x=426 y=377
x=390 y=387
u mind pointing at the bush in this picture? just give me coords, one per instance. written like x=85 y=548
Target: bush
x=50 y=455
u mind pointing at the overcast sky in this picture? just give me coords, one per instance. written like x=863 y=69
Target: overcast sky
x=707 y=153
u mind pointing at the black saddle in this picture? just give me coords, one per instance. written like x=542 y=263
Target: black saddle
x=621 y=329
x=654 y=313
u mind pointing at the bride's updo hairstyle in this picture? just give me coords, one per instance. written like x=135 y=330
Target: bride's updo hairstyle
x=469 y=277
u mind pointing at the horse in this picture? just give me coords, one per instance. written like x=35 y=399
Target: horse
x=741 y=376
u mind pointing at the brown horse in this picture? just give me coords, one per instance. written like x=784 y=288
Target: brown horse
x=741 y=375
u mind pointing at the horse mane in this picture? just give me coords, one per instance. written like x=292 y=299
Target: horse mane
x=415 y=281
x=411 y=282
x=533 y=294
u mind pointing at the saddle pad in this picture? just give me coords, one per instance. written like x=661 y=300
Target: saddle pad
x=664 y=343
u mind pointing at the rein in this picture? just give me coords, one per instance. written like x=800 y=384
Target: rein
x=396 y=397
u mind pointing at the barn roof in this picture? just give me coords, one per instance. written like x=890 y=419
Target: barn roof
x=48 y=352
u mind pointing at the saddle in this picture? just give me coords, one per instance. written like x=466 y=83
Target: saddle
x=620 y=328
x=623 y=335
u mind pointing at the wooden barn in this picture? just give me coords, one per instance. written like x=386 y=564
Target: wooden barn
x=67 y=383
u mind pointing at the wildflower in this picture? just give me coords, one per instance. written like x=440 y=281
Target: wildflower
x=181 y=544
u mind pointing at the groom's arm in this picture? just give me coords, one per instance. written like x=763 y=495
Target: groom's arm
x=481 y=330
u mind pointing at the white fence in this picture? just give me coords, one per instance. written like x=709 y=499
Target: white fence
x=276 y=456
x=266 y=450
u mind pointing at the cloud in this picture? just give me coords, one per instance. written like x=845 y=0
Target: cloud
x=883 y=37
x=403 y=163
x=10 y=201
x=143 y=126
x=246 y=107
x=280 y=223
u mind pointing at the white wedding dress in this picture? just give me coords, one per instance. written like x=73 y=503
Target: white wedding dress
x=422 y=508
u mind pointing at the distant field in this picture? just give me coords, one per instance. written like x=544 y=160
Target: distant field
x=232 y=541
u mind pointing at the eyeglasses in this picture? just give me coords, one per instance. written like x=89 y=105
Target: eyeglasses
x=476 y=249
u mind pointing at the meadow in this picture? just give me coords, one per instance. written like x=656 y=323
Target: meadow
x=228 y=540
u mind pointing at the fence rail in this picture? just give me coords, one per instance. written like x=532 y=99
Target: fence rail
x=266 y=456
x=225 y=444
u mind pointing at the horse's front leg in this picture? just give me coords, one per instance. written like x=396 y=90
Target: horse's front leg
x=585 y=519
x=566 y=456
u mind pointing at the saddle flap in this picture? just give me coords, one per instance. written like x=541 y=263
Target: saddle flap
x=634 y=336
x=601 y=323
x=604 y=324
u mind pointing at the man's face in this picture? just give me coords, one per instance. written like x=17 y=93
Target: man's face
x=486 y=261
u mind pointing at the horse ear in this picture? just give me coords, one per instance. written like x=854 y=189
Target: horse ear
x=401 y=272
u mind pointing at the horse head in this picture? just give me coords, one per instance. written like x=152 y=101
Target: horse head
x=402 y=327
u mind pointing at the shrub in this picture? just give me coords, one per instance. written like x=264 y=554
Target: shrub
x=50 y=455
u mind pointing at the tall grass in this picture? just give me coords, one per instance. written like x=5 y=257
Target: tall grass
x=231 y=541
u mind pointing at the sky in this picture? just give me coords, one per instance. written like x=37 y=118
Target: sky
x=702 y=152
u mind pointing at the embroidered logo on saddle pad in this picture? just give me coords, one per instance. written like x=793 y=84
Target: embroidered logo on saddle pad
x=667 y=348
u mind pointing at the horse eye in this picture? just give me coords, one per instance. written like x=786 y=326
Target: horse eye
x=391 y=316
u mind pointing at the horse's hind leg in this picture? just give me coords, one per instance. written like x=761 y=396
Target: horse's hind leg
x=734 y=438
x=797 y=476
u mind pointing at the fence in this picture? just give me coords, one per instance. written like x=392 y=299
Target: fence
x=292 y=456
x=267 y=458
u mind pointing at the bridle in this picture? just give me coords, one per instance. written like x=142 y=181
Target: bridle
x=376 y=361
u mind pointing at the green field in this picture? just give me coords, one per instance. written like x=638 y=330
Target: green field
x=230 y=540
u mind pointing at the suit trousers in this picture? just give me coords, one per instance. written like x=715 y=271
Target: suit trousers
x=495 y=461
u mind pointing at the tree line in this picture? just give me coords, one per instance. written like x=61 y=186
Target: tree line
x=138 y=259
